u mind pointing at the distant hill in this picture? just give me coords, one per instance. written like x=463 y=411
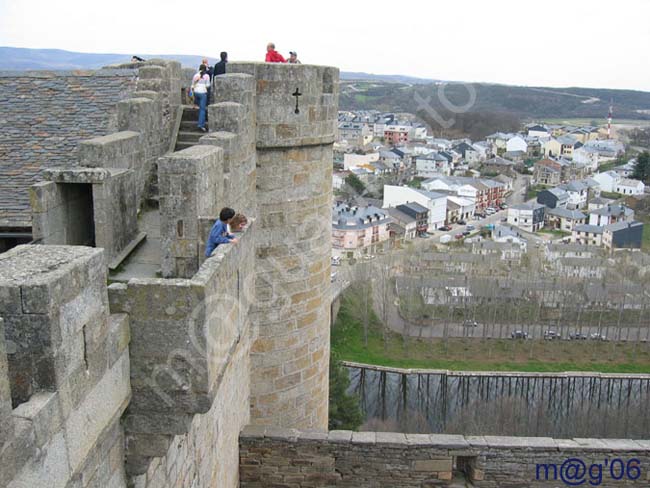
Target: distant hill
x=394 y=92
x=16 y=58
x=521 y=101
x=353 y=75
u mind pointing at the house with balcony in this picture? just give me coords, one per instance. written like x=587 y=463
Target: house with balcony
x=359 y=230
x=610 y=214
x=396 y=134
x=527 y=216
x=589 y=235
x=563 y=218
x=417 y=212
x=578 y=193
x=623 y=235
x=432 y=164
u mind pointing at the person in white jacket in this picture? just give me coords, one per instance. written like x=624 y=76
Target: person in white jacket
x=200 y=85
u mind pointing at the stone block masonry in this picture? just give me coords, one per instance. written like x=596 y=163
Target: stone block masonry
x=232 y=127
x=6 y=422
x=188 y=181
x=190 y=369
x=290 y=356
x=68 y=370
x=86 y=206
x=270 y=457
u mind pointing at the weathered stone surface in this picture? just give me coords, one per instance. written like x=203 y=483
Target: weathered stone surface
x=6 y=422
x=334 y=461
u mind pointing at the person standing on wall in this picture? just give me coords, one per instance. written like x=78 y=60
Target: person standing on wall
x=293 y=58
x=209 y=71
x=220 y=67
x=272 y=56
x=200 y=85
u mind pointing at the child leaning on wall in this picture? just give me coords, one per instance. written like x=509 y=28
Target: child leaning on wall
x=219 y=233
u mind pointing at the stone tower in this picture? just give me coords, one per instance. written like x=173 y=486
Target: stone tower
x=296 y=112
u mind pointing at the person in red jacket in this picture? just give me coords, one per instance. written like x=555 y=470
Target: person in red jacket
x=272 y=56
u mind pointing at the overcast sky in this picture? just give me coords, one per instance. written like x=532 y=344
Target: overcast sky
x=591 y=43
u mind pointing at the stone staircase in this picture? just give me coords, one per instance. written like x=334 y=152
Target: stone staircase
x=188 y=133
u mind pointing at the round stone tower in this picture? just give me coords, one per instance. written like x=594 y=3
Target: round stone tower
x=296 y=112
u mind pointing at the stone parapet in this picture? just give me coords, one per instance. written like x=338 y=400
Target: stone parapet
x=278 y=124
x=185 y=336
x=270 y=456
x=187 y=180
x=68 y=370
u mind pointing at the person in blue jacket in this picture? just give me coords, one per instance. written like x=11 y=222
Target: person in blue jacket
x=219 y=232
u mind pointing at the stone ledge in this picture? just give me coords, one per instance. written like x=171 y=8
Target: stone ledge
x=127 y=250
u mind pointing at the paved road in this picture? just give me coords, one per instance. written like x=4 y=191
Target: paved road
x=345 y=274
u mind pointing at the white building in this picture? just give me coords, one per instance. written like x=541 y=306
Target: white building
x=431 y=165
x=578 y=193
x=527 y=216
x=451 y=184
x=627 y=186
x=516 y=143
x=538 y=131
x=435 y=202
x=338 y=179
x=459 y=208
x=610 y=214
x=588 y=156
x=607 y=180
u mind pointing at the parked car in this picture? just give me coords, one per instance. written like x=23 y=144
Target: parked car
x=445 y=228
x=459 y=236
x=577 y=336
x=503 y=206
x=461 y=222
x=466 y=233
x=519 y=334
x=597 y=337
x=479 y=215
x=333 y=277
x=336 y=261
x=470 y=227
x=490 y=210
x=551 y=335
x=470 y=323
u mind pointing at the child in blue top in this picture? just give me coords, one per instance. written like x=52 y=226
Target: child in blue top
x=219 y=232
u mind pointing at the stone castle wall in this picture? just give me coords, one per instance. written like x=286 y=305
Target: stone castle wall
x=66 y=362
x=272 y=457
x=290 y=355
x=214 y=345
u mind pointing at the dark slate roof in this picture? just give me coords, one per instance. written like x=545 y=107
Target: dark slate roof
x=347 y=218
x=594 y=229
x=43 y=116
x=622 y=225
x=416 y=207
x=566 y=213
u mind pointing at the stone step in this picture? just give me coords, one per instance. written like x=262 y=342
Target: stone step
x=183 y=145
x=189 y=126
x=190 y=113
x=184 y=136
